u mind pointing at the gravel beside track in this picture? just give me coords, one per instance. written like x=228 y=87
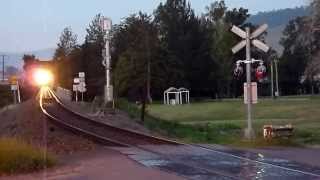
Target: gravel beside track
x=123 y=136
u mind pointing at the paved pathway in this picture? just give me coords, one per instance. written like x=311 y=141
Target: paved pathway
x=167 y=162
x=104 y=164
x=197 y=163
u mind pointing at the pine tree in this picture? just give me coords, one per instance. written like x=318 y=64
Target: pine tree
x=137 y=54
x=222 y=40
x=91 y=61
x=67 y=43
x=64 y=57
x=296 y=54
x=174 y=22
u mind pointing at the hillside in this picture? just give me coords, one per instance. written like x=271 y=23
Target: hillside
x=15 y=59
x=278 y=17
x=277 y=21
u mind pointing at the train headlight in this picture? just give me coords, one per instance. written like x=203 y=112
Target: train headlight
x=42 y=77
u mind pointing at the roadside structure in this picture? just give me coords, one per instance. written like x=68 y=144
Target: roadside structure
x=186 y=92
x=178 y=96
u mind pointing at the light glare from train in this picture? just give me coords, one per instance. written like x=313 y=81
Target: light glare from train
x=42 y=77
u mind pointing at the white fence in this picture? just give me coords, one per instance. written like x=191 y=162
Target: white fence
x=64 y=94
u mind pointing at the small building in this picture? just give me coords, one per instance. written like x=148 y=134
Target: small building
x=175 y=96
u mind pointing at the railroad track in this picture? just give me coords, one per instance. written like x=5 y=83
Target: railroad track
x=114 y=136
x=98 y=131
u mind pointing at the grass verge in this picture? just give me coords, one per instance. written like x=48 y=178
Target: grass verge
x=204 y=122
x=19 y=157
x=204 y=133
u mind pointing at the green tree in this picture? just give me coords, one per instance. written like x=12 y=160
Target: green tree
x=28 y=61
x=313 y=66
x=173 y=19
x=133 y=73
x=315 y=21
x=221 y=20
x=295 y=56
x=65 y=58
x=138 y=52
x=67 y=43
x=184 y=47
x=91 y=61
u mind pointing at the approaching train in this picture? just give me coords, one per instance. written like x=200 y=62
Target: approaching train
x=36 y=74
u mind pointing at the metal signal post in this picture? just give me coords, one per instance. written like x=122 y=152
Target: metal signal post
x=246 y=42
x=249 y=132
x=106 y=24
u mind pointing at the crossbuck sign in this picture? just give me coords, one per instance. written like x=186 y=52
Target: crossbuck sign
x=257 y=43
x=248 y=39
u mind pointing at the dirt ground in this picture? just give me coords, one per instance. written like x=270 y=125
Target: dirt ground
x=78 y=158
x=26 y=121
x=118 y=118
x=100 y=164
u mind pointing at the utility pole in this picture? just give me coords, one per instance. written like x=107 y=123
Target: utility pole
x=148 y=70
x=272 y=86
x=3 y=56
x=277 y=78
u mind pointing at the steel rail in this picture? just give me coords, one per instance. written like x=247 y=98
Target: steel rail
x=74 y=129
x=169 y=141
x=129 y=131
x=93 y=135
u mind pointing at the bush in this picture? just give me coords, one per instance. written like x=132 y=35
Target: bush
x=307 y=136
x=132 y=109
x=17 y=157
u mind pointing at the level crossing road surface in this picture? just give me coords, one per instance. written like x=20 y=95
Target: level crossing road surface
x=207 y=163
x=168 y=162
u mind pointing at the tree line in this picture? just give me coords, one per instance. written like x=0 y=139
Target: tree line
x=300 y=63
x=175 y=47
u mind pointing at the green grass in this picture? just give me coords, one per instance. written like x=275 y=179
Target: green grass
x=19 y=157
x=223 y=122
x=232 y=111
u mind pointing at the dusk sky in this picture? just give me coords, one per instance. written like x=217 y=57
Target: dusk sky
x=36 y=24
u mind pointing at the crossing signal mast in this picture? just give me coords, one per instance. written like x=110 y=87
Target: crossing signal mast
x=248 y=39
x=106 y=25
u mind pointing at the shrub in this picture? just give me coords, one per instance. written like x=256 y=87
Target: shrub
x=17 y=157
x=132 y=109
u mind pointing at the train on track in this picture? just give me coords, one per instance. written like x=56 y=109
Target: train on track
x=35 y=73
